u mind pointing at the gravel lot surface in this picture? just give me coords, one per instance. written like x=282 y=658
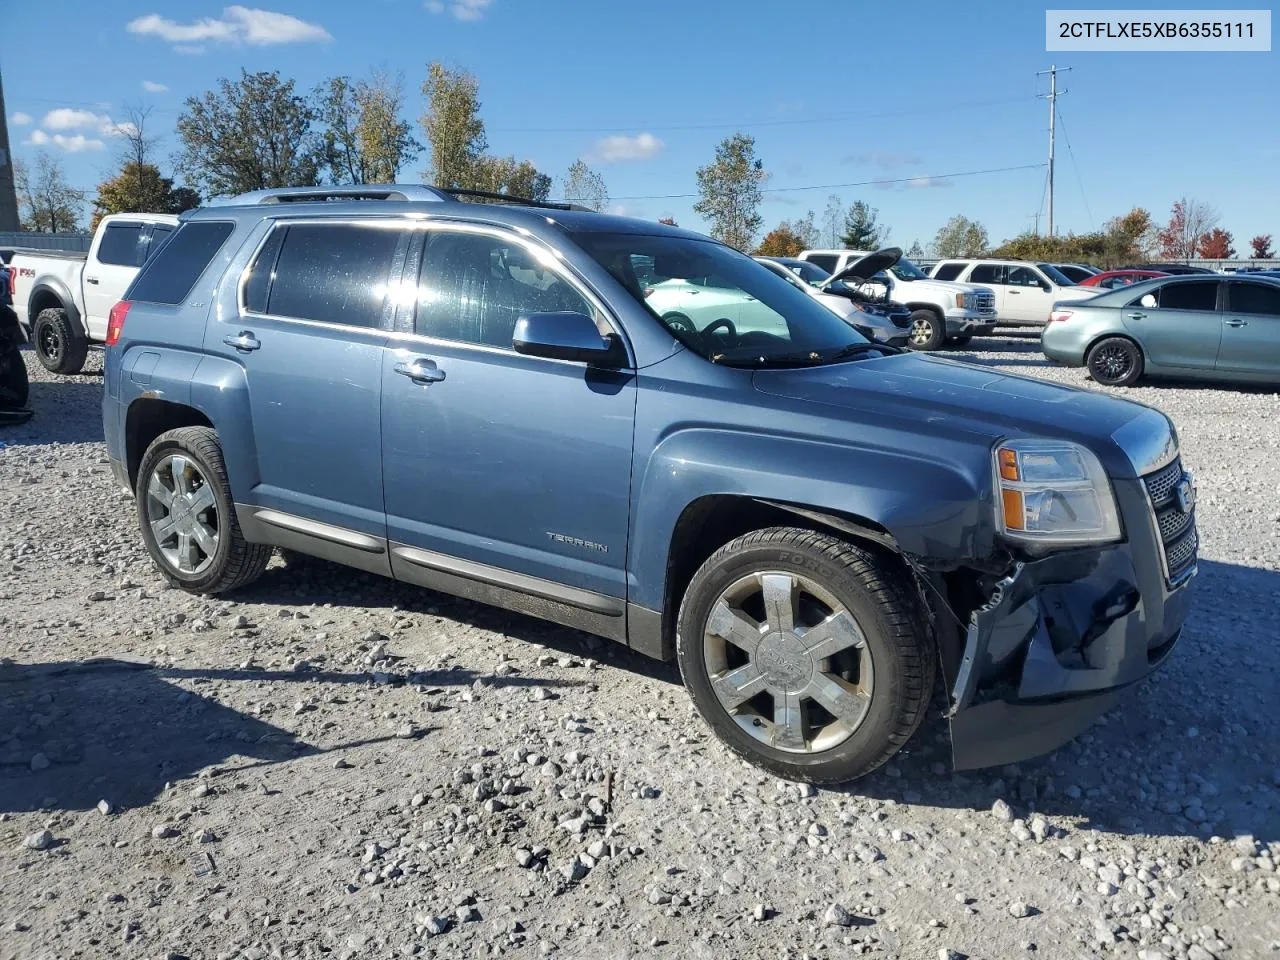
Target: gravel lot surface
x=332 y=765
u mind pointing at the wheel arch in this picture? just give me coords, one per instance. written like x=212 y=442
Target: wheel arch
x=146 y=419
x=50 y=294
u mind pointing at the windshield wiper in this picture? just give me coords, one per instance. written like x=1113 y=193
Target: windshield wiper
x=854 y=349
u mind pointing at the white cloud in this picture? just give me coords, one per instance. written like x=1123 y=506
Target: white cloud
x=459 y=9
x=640 y=147
x=152 y=87
x=883 y=160
x=71 y=144
x=70 y=118
x=20 y=119
x=928 y=182
x=258 y=28
x=190 y=49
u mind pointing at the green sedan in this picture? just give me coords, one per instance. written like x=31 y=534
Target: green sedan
x=1198 y=326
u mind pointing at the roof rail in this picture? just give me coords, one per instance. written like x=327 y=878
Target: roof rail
x=459 y=192
x=390 y=191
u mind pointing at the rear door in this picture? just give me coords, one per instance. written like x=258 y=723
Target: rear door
x=313 y=311
x=1251 y=331
x=1178 y=324
x=113 y=262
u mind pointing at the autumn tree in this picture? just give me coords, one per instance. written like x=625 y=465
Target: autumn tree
x=1216 y=245
x=140 y=188
x=861 y=232
x=781 y=241
x=1189 y=220
x=364 y=138
x=517 y=178
x=729 y=191
x=583 y=185
x=960 y=237
x=1060 y=248
x=1261 y=246
x=47 y=203
x=1129 y=238
x=254 y=133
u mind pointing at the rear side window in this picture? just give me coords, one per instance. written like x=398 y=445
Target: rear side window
x=333 y=273
x=1255 y=298
x=948 y=271
x=169 y=276
x=827 y=261
x=1197 y=295
x=987 y=273
x=119 y=244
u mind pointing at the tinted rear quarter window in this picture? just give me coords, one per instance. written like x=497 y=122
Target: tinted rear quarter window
x=1196 y=295
x=827 y=261
x=119 y=245
x=334 y=273
x=948 y=271
x=1255 y=298
x=169 y=276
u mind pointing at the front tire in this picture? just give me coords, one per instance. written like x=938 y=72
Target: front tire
x=60 y=346
x=187 y=517
x=806 y=654
x=1115 y=362
x=928 y=331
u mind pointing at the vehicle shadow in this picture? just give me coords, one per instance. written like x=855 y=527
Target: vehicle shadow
x=1190 y=751
x=75 y=733
x=65 y=411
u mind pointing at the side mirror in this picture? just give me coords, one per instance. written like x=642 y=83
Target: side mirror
x=1046 y=286
x=566 y=336
x=1148 y=300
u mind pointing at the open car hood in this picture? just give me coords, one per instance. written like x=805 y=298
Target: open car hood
x=867 y=267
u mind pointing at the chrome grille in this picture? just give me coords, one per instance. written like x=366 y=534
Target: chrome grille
x=1177 y=529
x=985 y=302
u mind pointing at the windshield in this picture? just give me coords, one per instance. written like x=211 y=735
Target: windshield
x=719 y=303
x=1056 y=275
x=810 y=273
x=904 y=269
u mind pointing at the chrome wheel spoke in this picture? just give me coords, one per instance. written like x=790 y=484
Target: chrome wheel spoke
x=837 y=632
x=178 y=473
x=788 y=722
x=188 y=558
x=163 y=528
x=733 y=626
x=738 y=686
x=205 y=536
x=202 y=499
x=158 y=491
x=779 y=601
x=837 y=699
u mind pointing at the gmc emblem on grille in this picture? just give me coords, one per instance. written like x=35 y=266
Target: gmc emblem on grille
x=1185 y=492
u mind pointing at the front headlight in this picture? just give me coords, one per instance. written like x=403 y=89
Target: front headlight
x=1053 y=492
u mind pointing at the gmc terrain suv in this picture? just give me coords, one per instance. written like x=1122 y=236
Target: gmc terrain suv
x=481 y=398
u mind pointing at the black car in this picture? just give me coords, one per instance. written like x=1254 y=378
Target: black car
x=1174 y=268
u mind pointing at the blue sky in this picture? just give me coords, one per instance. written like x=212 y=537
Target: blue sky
x=833 y=92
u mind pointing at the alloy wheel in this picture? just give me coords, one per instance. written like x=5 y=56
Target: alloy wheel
x=1114 y=363
x=788 y=662
x=50 y=343
x=921 y=332
x=180 y=507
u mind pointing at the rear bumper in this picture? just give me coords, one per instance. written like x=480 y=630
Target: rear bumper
x=1055 y=646
x=1064 y=346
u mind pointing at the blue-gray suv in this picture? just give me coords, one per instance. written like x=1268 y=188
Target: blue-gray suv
x=639 y=432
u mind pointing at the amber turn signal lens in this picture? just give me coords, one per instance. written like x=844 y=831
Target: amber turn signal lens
x=1015 y=515
x=1009 y=465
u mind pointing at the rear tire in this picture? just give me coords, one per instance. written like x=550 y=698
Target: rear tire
x=59 y=344
x=928 y=331
x=187 y=517
x=15 y=386
x=825 y=683
x=1115 y=362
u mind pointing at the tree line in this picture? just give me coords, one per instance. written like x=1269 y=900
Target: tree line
x=258 y=132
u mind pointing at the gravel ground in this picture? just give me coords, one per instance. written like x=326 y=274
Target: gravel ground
x=334 y=765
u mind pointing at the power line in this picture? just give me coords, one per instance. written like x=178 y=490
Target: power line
x=1076 y=167
x=724 y=124
x=856 y=183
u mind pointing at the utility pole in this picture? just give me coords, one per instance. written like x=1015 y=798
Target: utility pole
x=8 y=193
x=1052 y=96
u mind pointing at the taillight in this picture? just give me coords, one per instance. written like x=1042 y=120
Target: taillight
x=115 y=322
x=1060 y=315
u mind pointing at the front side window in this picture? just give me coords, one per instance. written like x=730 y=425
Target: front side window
x=987 y=273
x=119 y=244
x=722 y=304
x=473 y=288
x=1196 y=295
x=1023 y=277
x=1255 y=298
x=333 y=272
x=948 y=271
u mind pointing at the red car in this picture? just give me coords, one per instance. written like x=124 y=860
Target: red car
x=1120 y=278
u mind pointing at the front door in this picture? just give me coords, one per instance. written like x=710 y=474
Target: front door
x=1178 y=324
x=309 y=332
x=504 y=470
x=1027 y=300
x=108 y=271
x=1251 y=331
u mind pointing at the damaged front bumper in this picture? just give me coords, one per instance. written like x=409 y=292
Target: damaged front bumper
x=1057 y=641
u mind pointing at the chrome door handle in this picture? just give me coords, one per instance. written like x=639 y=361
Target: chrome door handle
x=245 y=342
x=1236 y=323
x=1136 y=315
x=420 y=370
x=93 y=280
x=1015 y=291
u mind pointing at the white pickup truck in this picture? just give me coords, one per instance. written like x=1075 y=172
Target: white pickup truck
x=62 y=299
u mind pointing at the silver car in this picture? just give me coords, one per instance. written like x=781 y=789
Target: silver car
x=1203 y=326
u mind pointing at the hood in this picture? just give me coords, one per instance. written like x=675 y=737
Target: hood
x=864 y=268
x=951 y=397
